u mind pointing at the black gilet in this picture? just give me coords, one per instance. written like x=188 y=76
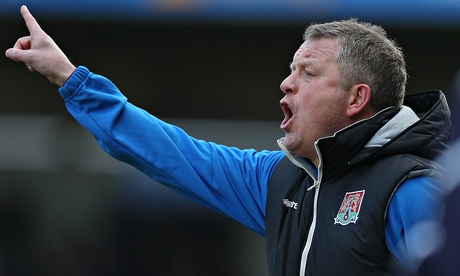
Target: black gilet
x=357 y=248
x=356 y=187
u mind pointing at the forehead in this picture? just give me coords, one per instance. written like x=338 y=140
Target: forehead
x=318 y=49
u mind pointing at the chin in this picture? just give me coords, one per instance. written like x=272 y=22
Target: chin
x=289 y=143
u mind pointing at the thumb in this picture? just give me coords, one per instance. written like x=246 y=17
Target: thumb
x=15 y=54
x=18 y=55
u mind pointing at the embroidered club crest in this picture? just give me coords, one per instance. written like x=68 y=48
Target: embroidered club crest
x=349 y=210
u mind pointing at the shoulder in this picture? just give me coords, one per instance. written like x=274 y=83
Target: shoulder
x=412 y=190
x=416 y=202
x=417 y=199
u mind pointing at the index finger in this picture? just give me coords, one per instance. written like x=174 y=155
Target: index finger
x=31 y=23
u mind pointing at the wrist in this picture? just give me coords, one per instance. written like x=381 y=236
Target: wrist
x=64 y=76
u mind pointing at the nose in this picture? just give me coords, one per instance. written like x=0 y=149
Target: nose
x=287 y=85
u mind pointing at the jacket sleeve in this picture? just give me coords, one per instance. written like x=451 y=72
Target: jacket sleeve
x=225 y=179
x=413 y=214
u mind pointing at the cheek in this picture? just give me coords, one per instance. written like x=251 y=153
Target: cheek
x=329 y=116
x=334 y=118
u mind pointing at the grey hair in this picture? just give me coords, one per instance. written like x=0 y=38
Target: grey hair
x=366 y=55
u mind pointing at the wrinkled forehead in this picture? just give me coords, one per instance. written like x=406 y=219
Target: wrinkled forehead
x=317 y=49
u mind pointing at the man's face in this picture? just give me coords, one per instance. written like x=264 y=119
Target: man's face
x=313 y=105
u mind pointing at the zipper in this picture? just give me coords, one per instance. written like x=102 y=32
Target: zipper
x=306 y=249
x=316 y=185
x=297 y=161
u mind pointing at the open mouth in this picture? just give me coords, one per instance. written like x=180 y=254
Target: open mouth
x=288 y=115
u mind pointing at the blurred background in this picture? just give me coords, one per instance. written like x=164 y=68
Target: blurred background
x=212 y=67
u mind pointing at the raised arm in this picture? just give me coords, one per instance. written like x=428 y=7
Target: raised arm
x=40 y=53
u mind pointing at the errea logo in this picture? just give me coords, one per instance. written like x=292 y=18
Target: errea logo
x=290 y=204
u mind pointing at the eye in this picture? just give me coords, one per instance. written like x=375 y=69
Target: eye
x=309 y=73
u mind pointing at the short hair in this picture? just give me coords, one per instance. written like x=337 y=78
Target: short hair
x=366 y=55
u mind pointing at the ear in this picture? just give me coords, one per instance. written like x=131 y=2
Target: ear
x=358 y=101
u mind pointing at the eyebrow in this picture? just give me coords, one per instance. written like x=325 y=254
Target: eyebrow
x=303 y=63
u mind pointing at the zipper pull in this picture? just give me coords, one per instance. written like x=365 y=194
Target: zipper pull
x=315 y=185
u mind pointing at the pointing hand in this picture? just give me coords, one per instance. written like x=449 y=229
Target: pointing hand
x=40 y=53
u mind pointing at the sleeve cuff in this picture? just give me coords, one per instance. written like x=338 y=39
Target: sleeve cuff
x=74 y=82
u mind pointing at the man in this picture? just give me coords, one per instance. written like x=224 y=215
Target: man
x=354 y=173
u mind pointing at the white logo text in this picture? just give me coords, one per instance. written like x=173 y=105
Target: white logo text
x=290 y=204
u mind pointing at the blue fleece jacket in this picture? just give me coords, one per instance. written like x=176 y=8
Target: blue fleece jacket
x=225 y=179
